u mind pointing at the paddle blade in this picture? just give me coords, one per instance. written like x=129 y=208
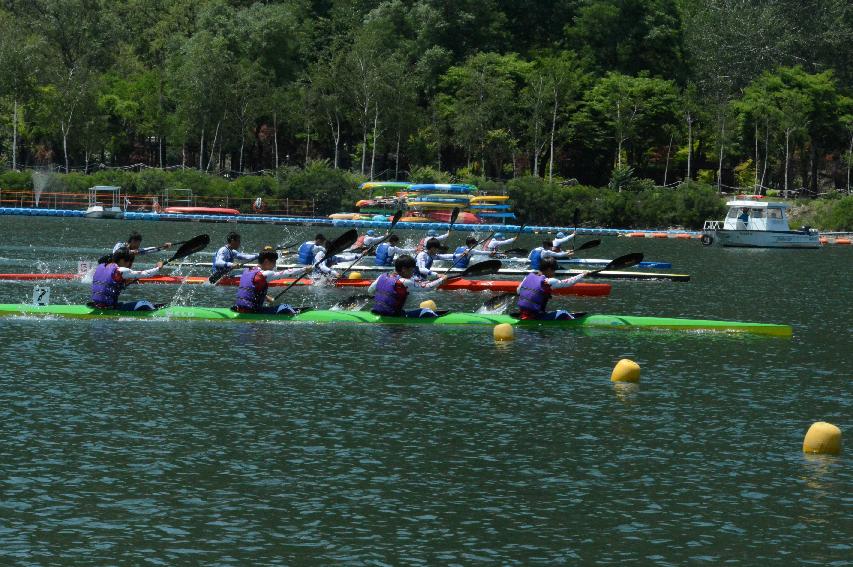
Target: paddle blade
x=191 y=246
x=499 y=302
x=354 y=303
x=395 y=219
x=342 y=242
x=453 y=216
x=620 y=263
x=518 y=251
x=588 y=245
x=481 y=269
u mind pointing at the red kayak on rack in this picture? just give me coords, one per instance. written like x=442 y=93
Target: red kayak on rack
x=497 y=286
x=201 y=210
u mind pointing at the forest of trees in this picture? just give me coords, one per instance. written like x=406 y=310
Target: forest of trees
x=736 y=92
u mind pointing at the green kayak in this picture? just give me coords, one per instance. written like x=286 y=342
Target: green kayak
x=621 y=322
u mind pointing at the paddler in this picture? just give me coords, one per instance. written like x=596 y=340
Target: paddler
x=431 y=234
x=493 y=244
x=545 y=251
x=313 y=252
x=463 y=254
x=367 y=240
x=254 y=283
x=561 y=239
x=391 y=290
x=112 y=276
x=133 y=243
x=387 y=251
x=223 y=260
x=535 y=291
x=424 y=260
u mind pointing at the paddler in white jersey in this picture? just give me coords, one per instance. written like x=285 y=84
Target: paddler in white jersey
x=431 y=234
x=133 y=243
x=224 y=259
x=493 y=245
x=545 y=251
x=391 y=290
x=367 y=240
x=561 y=239
x=535 y=291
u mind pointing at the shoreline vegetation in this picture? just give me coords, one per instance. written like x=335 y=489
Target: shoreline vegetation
x=305 y=98
x=640 y=205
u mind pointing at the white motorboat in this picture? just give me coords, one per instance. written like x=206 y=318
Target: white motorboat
x=109 y=208
x=758 y=224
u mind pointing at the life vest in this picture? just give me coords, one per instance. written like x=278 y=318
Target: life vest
x=249 y=296
x=390 y=295
x=359 y=242
x=535 y=258
x=486 y=245
x=534 y=294
x=422 y=245
x=305 y=254
x=105 y=287
x=427 y=265
x=383 y=258
x=460 y=261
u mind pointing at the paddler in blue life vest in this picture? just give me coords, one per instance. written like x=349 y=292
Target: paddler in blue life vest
x=535 y=291
x=110 y=279
x=223 y=259
x=431 y=234
x=387 y=251
x=545 y=251
x=424 y=260
x=133 y=243
x=254 y=283
x=313 y=253
x=391 y=290
x=463 y=254
x=493 y=244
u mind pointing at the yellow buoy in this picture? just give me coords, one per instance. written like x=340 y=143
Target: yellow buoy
x=822 y=438
x=625 y=371
x=428 y=304
x=354 y=276
x=504 y=332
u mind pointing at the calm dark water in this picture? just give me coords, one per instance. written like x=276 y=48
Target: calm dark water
x=141 y=442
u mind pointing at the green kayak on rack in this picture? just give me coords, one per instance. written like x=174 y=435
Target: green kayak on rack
x=617 y=322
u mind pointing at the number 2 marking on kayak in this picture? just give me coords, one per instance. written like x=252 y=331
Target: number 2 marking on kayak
x=41 y=295
x=83 y=267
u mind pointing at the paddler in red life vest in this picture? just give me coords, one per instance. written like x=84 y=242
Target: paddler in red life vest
x=535 y=291
x=545 y=251
x=254 y=283
x=431 y=234
x=366 y=240
x=387 y=251
x=223 y=260
x=391 y=290
x=133 y=243
x=493 y=245
x=110 y=279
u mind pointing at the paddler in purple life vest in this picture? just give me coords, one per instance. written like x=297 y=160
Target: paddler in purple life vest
x=535 y=291
x=223 y=260
x=545 y=251
x=313 y=252
x=391 y=290
x=463 y=255
x=110 y=279
x=254 y=283
x=387 y=251
x=493 y=245
x=133 y=243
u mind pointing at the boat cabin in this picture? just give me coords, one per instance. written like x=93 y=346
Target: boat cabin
x=756 y=215
x=104 y=202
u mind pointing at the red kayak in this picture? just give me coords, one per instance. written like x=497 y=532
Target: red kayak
x=497 y=286
x=201 y=210
x=464 y=218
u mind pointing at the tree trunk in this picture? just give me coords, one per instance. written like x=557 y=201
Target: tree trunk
x=689 y=144
x=814 y=161
x=160 y=119
x=65 y=144
x=213 y=147
x=183 y=156
x=363 y=150
x=15 y=136
x=619 y=136
x=336 y=135
x=201 y=152
x=668 y=152
x=787 y=154
x=756 y=188
x=308 y=145
x=275 y=137
x=766 y=150
x=720 y=163
x=397 y=157
x=553 y=128
x=849 y=159
x=373 y=150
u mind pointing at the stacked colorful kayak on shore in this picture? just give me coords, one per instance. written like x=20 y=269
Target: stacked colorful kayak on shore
x=582 y=321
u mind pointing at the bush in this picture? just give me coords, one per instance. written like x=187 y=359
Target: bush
x=16 y=180
x=427 y=174
x=837 y=215
x=329 y=187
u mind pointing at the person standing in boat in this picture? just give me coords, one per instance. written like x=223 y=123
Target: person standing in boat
x=431 y=234
x=387 y=251
x=133 y=243
x=545 y=251
x=493 y=245
x=225 y=257
x=390 y=291
x=744 y=217
x=255 y=282
x=110 y=279
x=535 y=291
x=313 y=253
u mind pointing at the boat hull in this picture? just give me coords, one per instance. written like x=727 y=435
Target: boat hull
x=98 y=212
x=767 y=239
x=610 y=322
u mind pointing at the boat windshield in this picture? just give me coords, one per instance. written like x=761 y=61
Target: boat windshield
x=757 y=213
x=774 y=213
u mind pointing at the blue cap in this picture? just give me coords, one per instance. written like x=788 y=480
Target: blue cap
x=432 y=232
x=371 y=232
x=498 y=235
x=561 y=235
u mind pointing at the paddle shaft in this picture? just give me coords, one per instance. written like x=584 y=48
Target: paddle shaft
x=343 y=241
x=394 y=220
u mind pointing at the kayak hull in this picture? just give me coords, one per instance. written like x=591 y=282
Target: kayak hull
x=497 y=286
x=613 y=322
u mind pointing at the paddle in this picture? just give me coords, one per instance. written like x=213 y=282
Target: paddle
x=517 y=251
x=190 y=246
x=106 y=257
x=625 y=261
x=394 y=220
x=338 y=245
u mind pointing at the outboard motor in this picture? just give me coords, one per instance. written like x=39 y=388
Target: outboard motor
x=805 y=229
